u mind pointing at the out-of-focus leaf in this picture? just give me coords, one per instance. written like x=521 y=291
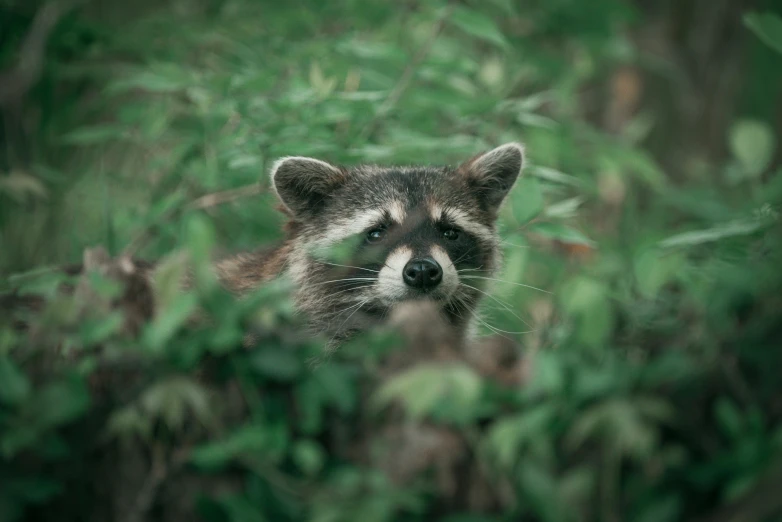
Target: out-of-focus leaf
x=730 y=229
x=729 y=418
x=549 y=376
x=155 y=78
x=174 y=399
x=752 y=143
x=168 y=321
x=526 y=200
x=628 y=426
x=653 y=269
x=60 y=402
x=129 y=422
x=553 y=175
x=336 y=385
x=308 y=456
x=662 y=510
x=768 y=27
x=508 y=435
x=424 y=388
x=252 y=440
x=97 y=330
x=276 y=363
x=14 y=385
x=561 y=233
x=94 y=135
x=479 y=25
x=564 y=209
x=19 y=185
x=586 y=299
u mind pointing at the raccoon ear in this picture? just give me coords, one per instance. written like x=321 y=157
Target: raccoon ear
x=493 y=173
x=303 y=183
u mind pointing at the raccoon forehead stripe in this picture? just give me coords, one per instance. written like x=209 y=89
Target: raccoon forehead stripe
x=435 y=211
x=463 y=220
x=397 y=211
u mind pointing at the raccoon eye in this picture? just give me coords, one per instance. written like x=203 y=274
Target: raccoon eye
x=451 y=234
x=375 y=235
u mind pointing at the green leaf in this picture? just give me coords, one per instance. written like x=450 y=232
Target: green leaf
x=247 y=439
x=508 y=435
x=730 y=418
x=526 y=200
x=336 y=385
x=752 y=143
x=252 y=442
x=564 y=209
x=554 y=176
x=561 y=233
x=423 y=389
x=94 y=135
x=277 y=363
x=155 y=78
x=478 y=25
x=767 y=27
x=653 y=269
x=96 y=330
x=19 y=185
x=167 y=322
x=60 y=402
x=14 y=385
x=309 y=456
x=730 y=229
x=175 y=399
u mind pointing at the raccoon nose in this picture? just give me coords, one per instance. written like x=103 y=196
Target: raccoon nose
x=422 y=273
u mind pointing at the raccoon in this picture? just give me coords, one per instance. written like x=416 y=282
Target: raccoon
x=414 y=232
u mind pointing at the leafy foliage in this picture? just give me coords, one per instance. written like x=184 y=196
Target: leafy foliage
x=640 y=297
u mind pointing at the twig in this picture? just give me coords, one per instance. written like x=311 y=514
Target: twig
x=200 y=203
x=158 y=472
x=226 y=196
x=15 y=82
x=407 y=75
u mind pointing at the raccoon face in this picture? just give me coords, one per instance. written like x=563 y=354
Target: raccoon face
x=410 y=233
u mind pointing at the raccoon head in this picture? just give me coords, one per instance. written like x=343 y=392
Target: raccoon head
x=411 y=233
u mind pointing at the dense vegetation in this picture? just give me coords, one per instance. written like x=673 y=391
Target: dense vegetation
x=642 y=249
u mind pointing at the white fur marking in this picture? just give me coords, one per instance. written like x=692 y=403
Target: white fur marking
x=344 y=228
x=390 y=285
x=450 y=277
x=277 y=164
x=484 y=162
x=397 y=211
x=463 y=220
x=435 y=212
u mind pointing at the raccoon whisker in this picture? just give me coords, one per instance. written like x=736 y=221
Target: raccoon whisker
x=501 y=303
x=507 y=282
x=494 y=328
x=462 y=257
x=357 y=308
x=459 y=302
x=350 y=290
x=479 y=269
x=345 y=280
x=349 y=266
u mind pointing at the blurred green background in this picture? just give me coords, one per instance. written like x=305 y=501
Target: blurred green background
x=649 y=388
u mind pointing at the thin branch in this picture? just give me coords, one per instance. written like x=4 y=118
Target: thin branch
x=407 y=75
x=14 y=83
x=226 y=196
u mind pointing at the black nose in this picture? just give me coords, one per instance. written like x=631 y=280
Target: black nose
x=422 y=273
